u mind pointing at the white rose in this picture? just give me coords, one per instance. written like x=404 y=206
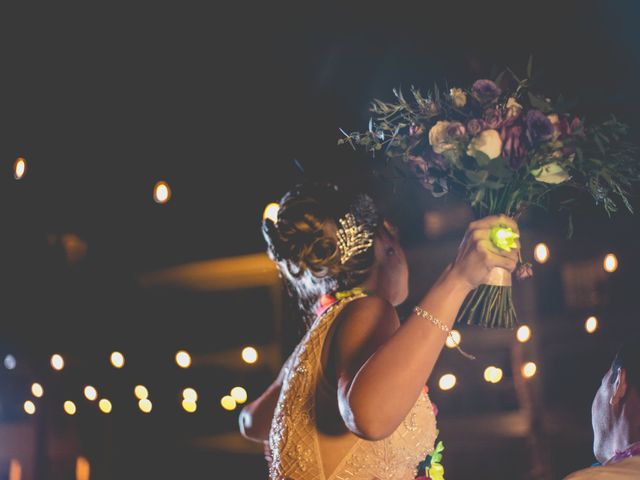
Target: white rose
x=458 y=97
x=438 y=137
x=551 y=173
x=513 y=108
x=487 y=142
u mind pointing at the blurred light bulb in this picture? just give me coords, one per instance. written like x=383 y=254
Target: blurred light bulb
x=271 y=212
x=190 y=394
x=189 y=406
x=145 y=405
x=70 y=407
x=453 y=339
x=493 y=374
x=29 y=407
x=83 y=469
x=447 y=381
x=228 y=402
x=610 y=263
x=10 y=362
x=161 y=192
x=37 y=390
x=239 y=394
x=541 y=253
x=141 y=392
x=249 y=354
x=19 y=168
x=117 y=359
x=57 y=362
x=90 y=393
x=105 y=405
x=591 y=324
x=523 y=334
x=529 y=369
x=183 y=359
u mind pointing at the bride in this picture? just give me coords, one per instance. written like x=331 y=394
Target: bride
x=350 y=402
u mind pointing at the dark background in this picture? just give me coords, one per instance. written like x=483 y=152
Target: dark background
x=103 y=101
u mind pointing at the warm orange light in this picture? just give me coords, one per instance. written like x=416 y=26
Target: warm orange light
x=447 y=381
x=529 y=369
x=161 y=192
x=591 y=324
x=145 y=405
x=19 y=168
x=117 y=359
x=90 y=393
x=228 y=402
x=57 y=362
x=183 y=359
x=82 y=469
x=37 y=390
x=141 y=392
x=29 y=407
x=105 y=405
x=271 y=212
x=249 y=354
x=15 y=470
x=610 y=263
x=453 y=339
x=239 y=394
x=541 y=253
x=70 y=407
x=523 y=334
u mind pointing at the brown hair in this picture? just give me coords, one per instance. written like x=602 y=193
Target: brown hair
x=303 y=242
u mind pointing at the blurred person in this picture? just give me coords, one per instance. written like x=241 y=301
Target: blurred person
x=351 y=402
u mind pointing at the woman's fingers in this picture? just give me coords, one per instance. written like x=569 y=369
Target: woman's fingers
x=494 y=221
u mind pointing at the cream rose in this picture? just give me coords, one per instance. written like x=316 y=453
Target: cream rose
x=439 y=137
x=487 y=142
x=458 y=97
x=513 y=109
x=551 y=173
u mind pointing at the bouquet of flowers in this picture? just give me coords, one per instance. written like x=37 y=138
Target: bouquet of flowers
x=503 y=148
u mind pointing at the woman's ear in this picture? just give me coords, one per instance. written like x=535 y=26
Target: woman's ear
x=390 y=230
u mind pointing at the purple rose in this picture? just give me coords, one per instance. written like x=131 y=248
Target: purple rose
x=485 y=91
x=493 y=118
x=455 y=130
x=513 y=146
x=539 y=127
x=475 y=126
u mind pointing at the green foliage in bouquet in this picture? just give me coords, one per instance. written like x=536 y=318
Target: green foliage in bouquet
x=503 y=148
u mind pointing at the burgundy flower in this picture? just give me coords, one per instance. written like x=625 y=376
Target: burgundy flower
x=539 y=127
x=493 y=118
x=418 y=165
x=416 y=129
x=486 y=91
x=475 y=126
x=513 y=146
x=524 y=271
x=455 y=130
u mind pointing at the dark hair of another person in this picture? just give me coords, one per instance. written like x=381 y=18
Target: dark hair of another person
x=304 y=246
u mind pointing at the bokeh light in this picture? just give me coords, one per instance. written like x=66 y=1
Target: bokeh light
x=141 y=392
x=145 y=405
x=523 y=334
x=529 y=369
x=228 y=402
x=57 y=362
x=591 y=324
x=29 y=407
x=117 y=359
x=447 y=381
x=183 y=359
x=239 y=394
x=70 y=407
x=19 y=168
x=37 y=390
x=190 y=394
x=249 y=355
x=493 y=374
x=105 y=405
x=541 y=253
x=189 y=405
x=271 y=212
x=453 y=339
x=161 y=192
x=10 y=362
x=90 y=393
x=610 y=263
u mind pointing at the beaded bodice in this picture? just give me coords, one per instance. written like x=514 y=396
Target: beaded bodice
x=295 y=441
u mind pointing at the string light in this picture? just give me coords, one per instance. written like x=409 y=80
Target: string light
x=610 y=263
x=541 y=253
x=105 y=405
x=228 y=402
x=447 y=381
x=529 y=369
x=29 y=407
x=19 y=168
x=453 y=339
x=141 y=392
x=493 y=374
x=249 y=354
x=10 y=362
x=239 y=394
x=190 y=394
x=90 y=393
x=145 y=405
x=117 y=359
x=189 y=406
x=161 y=192
x=271 y=212
x=183 y=359
x=591 y=324
x=57 y=362
x=37 y=390
x=523 y=334
x=70 y=407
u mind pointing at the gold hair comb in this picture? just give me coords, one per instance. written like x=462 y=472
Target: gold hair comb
x=353 y=238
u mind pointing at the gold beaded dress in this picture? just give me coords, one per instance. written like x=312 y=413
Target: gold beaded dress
x=296 y=444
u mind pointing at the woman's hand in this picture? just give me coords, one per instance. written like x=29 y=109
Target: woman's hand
x=477 y=255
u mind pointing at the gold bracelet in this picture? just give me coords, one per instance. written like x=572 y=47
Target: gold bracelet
x=428 y=316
